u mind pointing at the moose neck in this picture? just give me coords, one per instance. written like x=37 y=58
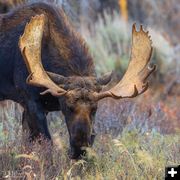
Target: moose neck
x=71 y=53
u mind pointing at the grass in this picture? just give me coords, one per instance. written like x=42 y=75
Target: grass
x=132 y=155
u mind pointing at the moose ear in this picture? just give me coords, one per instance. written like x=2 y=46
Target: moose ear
x=56 y=78
x=105 y=79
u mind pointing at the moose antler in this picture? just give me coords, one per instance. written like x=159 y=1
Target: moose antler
x=30 y=46
x=134 y=82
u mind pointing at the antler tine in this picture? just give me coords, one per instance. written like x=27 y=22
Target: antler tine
x=30 y=46
x=134 y=82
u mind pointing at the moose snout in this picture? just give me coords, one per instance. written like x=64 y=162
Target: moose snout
x=80 y=135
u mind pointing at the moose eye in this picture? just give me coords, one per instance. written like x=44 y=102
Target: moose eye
x=93 y=111
x=70 y=108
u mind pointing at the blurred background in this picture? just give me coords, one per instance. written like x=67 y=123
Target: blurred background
x=106 y=26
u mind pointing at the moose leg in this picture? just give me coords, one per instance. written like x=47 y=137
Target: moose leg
x=25 y=126
x=34 y=123
x=25 y=120
x=34 y=119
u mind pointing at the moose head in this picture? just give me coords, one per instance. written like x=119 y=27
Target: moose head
x=81 y=94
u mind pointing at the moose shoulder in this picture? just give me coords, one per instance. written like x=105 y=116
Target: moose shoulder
x=45 y=66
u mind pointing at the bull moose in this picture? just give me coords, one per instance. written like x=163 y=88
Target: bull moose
x=37 y=40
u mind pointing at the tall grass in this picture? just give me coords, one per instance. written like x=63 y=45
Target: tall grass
x=132 y=155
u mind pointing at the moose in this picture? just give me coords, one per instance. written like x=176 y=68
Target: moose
x=45 y=66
